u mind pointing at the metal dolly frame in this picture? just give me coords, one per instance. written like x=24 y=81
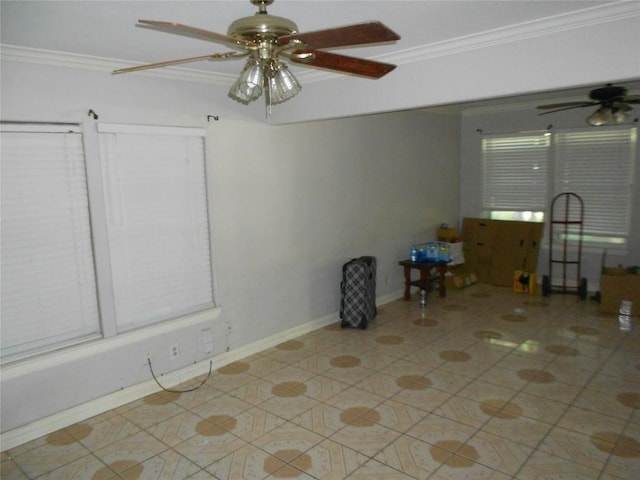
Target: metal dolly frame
x=569 y=225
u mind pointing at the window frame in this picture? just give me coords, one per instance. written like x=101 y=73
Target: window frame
x=616 y=243
x=103 y=274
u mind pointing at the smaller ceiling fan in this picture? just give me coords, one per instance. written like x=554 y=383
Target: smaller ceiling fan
x=265 y=40
x=613 y=101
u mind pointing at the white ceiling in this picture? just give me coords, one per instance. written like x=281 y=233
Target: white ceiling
x=107 y=29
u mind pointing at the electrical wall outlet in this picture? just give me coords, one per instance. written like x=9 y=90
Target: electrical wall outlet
x=174 y=351
x=206 y=336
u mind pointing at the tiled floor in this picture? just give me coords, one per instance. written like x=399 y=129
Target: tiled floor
x=484 y=384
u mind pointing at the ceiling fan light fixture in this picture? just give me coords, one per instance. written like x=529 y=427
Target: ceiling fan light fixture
x=600 y=117
x=620 y=116
x=283 y=85
x=248 y=87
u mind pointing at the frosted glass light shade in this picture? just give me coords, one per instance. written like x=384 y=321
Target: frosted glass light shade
x=248 y=86
x=282 y=85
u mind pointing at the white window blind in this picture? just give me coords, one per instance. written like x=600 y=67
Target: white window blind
x=515 y=172
x=597 y=164
x=48 y=281
x=157 y=223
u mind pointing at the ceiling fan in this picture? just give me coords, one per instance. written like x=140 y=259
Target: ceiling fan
x=613 y=101
x=265 y=40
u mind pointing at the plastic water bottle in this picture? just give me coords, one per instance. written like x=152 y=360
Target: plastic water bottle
x=414 y=254
x=624 y=315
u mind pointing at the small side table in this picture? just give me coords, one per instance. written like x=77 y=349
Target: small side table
x=425 y=278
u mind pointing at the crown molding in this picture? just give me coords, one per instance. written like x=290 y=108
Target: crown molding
x=606 y=13
x=536 y=28
x=41 y=56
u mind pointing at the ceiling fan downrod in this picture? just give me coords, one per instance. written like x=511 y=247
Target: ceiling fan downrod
x=262 y=5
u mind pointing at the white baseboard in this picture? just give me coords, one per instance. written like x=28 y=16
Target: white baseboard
x=52 y=423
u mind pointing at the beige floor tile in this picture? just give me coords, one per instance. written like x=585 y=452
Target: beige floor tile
x=316 y=364
x=484 y=384
x=410 y=456
x=203 y=475
x=544 y=465
x=329 y=461
x=227 y=405
x=87 y=467
x=447 y=381
x=442 y=431
x=519 y=429
x=169 y=465
x=456 y=466
x=226 y=379
x=57 y=449
x=348 y=375
x=322 y=388
x=246 y=463
x=288 y=440
x=396 y=415
x=289 y=407
x=152 y=410
x=589 y=422
x=557 y=391
x=468 y=412
x=499 y=453
x=503 y=377
x=176 y=429
x=322 y=419
x=255 y=422
x=130 y=451
x=577 y=447
x=427 y=400
x=538 y=408
x=209 y=448
x=97 y=434
x=354 y=397
x=253 y=393
x=606 y=402
x=624 y=461
x=285 y=354
x=261 y=365
x=484 y=353
x=288 y=374
x=384 y=385
x=427 y=358
x=364 y=434
x=9 y=470
x=373 y=470
x=480 y=390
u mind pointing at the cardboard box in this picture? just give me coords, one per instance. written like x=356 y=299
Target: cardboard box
x=494 y=249
x=616 y=284
x=459 y=277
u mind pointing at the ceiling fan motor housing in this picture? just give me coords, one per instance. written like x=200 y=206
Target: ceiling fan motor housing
x=608 y=94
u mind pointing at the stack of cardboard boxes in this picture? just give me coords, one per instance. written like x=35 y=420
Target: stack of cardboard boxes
x=494 y=250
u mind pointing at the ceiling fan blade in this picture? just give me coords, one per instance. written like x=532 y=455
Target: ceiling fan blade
x=568 y=108
x=342 y=63
x=186 y=30
x=353 y=35
x=566 y=105
x=213 y=56
x=634 y=99
x=622 y=107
